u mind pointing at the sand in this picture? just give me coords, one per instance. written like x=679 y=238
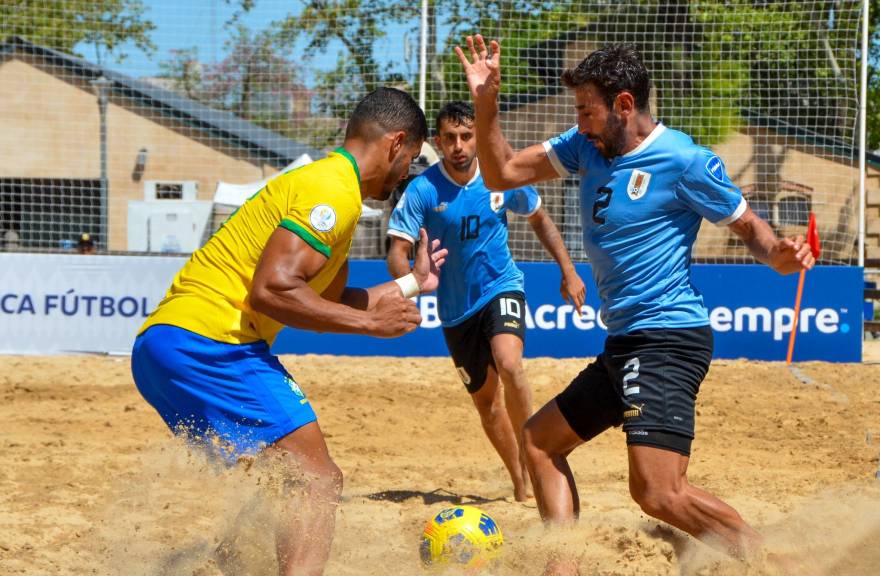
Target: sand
x=91 y=481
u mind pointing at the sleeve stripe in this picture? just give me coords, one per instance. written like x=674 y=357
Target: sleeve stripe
x=740 y=210
x=538 y=207
x=554 y=159
x=307 y=236
x=399 y=234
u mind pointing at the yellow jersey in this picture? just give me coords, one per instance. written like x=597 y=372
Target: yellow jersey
x=319 y=202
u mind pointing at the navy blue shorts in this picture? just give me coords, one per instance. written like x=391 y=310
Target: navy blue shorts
x=239 y=394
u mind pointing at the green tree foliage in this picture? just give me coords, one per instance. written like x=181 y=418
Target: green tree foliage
x=65 y=24
x=255 y=80
x=356 y=25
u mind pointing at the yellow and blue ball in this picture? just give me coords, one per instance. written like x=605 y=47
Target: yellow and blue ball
x=462 y=535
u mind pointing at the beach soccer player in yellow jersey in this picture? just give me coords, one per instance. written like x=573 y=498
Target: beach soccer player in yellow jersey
x=202 y=358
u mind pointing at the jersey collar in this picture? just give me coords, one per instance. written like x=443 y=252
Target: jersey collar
x=655 y=133
x=452 y=180
x=343 y=152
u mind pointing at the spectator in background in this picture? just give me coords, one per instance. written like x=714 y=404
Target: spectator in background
x=85 y=245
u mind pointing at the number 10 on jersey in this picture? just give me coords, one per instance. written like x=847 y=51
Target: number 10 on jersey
x=470 y=227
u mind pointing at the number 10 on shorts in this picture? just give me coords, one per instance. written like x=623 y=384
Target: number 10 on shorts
x=510 y=307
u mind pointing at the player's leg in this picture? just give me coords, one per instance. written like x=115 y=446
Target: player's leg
x=489 y=402
x=658 y=483
x=243 y=396
x=586 y=408
x=472 y=356
x=548 y=441
x=313 y=488
x=659 y=374
x=507 y=352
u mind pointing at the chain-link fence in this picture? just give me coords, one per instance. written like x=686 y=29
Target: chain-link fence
x=138 y=126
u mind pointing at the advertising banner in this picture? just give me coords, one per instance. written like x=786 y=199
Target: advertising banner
x=751 y=309
x=54 y=303
x=66 y=303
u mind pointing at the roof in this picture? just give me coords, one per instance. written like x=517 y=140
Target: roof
x=265 y=145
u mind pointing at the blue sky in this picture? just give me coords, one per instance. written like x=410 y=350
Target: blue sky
x=182 y=24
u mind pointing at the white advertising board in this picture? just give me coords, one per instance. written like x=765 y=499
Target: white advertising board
x=71 y=303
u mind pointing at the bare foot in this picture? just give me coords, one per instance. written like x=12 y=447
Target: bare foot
x=523 y=494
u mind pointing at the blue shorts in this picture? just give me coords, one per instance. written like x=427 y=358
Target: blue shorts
x=239 y=394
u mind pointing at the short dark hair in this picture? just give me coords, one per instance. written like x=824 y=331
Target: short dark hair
x=391 y=110
x=613 y=69
x=458 y=112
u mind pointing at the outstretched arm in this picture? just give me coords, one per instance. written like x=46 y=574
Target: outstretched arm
x=785 y=255
x=572 y=287
x=281 y=291
x=502 y=168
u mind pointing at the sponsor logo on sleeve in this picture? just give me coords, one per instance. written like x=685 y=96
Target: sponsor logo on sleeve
x=638 y=184
x=322 y=218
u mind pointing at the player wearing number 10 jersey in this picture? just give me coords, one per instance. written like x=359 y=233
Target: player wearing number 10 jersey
x=481 y=295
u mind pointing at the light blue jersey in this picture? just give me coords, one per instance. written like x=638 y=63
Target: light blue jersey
x=640 y=214
x=471 y=222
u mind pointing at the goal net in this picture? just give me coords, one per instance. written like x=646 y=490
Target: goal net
x=142 y=124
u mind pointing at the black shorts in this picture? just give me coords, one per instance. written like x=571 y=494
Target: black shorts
x=469 y=342
x=646 y=380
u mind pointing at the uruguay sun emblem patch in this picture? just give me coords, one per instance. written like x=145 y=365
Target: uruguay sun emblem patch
x=638 y=184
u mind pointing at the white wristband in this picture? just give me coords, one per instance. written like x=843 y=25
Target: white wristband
x=408 y=285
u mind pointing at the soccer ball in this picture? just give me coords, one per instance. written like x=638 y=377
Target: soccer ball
x=463 y=535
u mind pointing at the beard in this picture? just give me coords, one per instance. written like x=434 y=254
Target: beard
x=396 y=174
x=612 y=137
x=463 y=166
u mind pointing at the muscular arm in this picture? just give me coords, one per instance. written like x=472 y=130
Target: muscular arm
x=572 y=287
x=280 y=290
x=398 y=257
x=785 y=255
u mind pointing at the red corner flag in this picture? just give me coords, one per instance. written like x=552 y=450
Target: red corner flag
x=813 y=237
x=815 y=248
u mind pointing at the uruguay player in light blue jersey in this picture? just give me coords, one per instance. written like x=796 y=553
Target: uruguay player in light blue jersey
x=645 y=189
x=481 y=299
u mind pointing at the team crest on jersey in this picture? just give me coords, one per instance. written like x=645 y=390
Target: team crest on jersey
x=323 y=218
x=638 y=184
x=715 y=168
x=441 y=207
x=496 y=201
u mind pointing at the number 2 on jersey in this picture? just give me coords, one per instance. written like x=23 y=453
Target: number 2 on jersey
x=601 y=203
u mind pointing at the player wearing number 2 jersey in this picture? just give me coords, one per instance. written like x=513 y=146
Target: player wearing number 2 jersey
x=481 y=294
x=644 y=190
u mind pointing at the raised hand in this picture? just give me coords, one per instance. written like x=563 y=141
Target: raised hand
x=394 y=316
x=791 y=255
x=482 y=69
x=426 y=267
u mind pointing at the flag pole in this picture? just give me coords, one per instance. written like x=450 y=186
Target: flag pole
x=797 y=313
x=813 y=242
